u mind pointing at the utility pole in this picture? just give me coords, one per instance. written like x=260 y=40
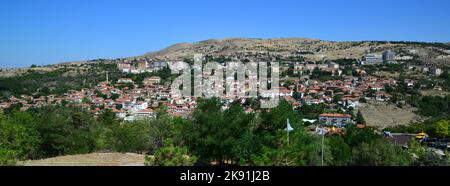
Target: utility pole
x=288 y=129
x=323 y=139
x=288 y=138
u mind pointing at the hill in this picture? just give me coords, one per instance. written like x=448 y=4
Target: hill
x=312 y=49
x=382 y=115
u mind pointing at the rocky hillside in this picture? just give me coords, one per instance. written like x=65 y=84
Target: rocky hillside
x=312 y=49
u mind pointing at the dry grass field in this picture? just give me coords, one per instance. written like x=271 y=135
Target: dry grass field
x=93 y=159
x=381 y=115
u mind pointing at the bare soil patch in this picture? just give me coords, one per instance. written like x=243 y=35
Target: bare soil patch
x=382 y=115
x=93 y=159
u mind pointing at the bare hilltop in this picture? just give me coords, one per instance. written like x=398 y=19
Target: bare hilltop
x=309 y=49
x=312 y=49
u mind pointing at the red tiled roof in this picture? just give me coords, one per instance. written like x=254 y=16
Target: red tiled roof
x=335 y=115
x=145 y=111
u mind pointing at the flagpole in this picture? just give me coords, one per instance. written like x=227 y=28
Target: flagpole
x=288 y=137
x=287 y=129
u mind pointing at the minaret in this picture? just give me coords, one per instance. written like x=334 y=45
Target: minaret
x=107 y=77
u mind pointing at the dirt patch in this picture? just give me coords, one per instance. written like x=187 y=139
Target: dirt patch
x=94 y=159
x=381 y=114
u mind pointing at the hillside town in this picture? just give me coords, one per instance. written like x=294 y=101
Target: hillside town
x=225 y=92
x=131 y=100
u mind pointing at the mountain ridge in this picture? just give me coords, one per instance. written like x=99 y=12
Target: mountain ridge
x=313 y=49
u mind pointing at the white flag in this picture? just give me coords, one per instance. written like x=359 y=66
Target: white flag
x=321 y=131
x=289 y=128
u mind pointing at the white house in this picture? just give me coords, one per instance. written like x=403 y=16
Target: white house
x=146 y=113
x=141 y=105
x=152 y=80
x=125 y=80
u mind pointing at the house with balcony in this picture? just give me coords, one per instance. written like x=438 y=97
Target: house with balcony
x=336 y=119
x=151 y=80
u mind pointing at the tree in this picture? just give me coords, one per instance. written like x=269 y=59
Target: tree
x=18 y=141
x=442 y=128
x=416 y=149
x=303 y=150
x=355 y=136
x=434 y=106
x=274 y=120
x=86 y=100
x=132 y=137
x=138 y=136
x=105 y=131
x=340 y=151
x=114 y=96
x=26 y=125
x=430 y=158
x=425 y=157
x=161 y=128
x=170 y=155
x=360 y=118
x=337 y=98
x=380 y=153
x=311 y=111
x=7 y=157
x=214 y=135
x=202 y=134
x=297 y=95
x=64 y=130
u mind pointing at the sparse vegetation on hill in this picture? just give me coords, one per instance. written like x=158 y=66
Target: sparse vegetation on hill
x=310 y=49
x=58 y=81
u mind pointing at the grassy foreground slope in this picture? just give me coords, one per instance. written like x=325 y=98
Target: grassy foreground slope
x=93 y=159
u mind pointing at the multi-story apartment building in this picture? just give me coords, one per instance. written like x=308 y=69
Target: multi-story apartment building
x=335 y=119
x=372 y=59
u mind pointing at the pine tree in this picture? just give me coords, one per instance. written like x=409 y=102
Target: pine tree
x=360 y=118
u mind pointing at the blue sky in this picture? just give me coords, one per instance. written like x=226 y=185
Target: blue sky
x=53 y=31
